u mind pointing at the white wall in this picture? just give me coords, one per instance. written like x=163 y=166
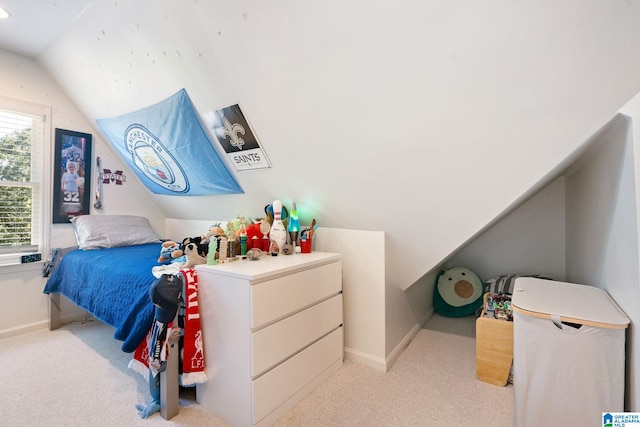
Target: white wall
x=426 y=120
x=529 y=240
x=626 y=289
x=25 y=80
x=434 y=106
x=363 y=291
x=581 y=228
x=627 y=295
x=602 y=230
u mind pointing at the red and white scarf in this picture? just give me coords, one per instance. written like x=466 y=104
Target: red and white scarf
x=192 y=358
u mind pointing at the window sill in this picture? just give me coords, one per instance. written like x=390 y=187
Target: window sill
x=10 y=263
x=21 y=268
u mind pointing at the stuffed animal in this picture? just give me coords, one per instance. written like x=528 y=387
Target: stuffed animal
x=458 y=292
x=193 y=257
x=214 y=231
x=202 y=248
x=170 y=251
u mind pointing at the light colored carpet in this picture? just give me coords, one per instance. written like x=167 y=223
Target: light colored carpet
x=432 y=383
x=77 y=376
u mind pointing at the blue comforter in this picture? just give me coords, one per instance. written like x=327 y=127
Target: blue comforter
x=113 y=285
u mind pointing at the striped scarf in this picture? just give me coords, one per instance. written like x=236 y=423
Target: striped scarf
x=151 y=355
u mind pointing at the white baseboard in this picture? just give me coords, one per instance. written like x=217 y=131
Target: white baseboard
x=385 y=364
x=22 y=329
x=391 y=358
x=42 y=324
x=427 y=316
x=365 y=359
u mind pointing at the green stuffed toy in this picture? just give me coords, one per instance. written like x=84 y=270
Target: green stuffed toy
x=458 y=292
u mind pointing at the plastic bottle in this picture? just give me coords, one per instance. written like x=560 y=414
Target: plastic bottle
x=211 y=255
x=243 y=244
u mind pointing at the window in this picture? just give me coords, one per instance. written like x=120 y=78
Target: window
x=23 y=179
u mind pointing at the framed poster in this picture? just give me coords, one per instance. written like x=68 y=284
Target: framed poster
x=72 y=175
x=239 y=142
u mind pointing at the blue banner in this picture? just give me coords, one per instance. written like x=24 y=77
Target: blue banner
x=170 y=151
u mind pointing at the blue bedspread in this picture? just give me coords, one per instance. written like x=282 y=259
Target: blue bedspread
x=113 y=285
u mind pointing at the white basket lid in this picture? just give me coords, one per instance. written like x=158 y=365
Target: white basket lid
x=568 y=300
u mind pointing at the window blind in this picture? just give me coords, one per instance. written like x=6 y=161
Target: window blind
x=21 y=160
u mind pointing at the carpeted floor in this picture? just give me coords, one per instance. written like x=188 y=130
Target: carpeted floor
x=77 y=376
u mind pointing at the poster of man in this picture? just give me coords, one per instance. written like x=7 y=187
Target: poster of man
x=71 y=175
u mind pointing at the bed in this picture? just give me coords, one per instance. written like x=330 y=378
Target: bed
x=109 y=275
x=113 y=285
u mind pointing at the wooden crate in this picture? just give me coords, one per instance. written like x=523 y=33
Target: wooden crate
x=494 y=348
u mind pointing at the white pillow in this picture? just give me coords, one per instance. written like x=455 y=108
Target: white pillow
x=111 y=231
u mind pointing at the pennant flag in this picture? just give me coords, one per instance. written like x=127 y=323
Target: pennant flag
x=170 y=151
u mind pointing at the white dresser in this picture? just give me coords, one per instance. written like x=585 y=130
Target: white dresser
x=272 y=332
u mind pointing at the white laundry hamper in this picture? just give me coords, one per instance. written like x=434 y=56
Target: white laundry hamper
x=569 y=354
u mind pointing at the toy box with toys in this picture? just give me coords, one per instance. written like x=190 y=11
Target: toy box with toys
x=494 y=330
x=494 y=339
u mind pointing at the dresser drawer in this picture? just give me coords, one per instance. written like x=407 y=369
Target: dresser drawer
x=277 y=298
x=276 y=386
x=277 y=342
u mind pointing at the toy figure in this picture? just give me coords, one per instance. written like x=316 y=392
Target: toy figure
x=278 y=234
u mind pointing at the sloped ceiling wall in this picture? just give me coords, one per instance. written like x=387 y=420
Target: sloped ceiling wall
x=423 y=119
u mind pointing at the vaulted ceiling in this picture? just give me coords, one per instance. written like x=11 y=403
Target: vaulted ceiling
x=428 y=120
